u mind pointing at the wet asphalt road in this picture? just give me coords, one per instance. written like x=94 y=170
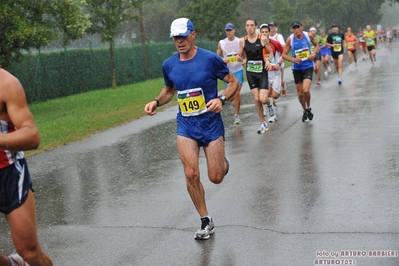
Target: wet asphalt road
x=293 y=196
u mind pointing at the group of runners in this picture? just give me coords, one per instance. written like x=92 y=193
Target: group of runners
x=263 y=50
x=192 y=73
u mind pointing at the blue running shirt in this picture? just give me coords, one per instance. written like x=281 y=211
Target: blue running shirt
x=195 y=81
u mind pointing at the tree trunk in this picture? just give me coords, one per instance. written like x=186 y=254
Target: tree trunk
x=113 y=73
x=142 y=36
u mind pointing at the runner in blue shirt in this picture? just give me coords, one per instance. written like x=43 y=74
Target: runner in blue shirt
x=302 y=68
x=192 y=73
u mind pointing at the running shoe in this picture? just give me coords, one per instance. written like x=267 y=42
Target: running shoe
x=207 y=229
x=309 y=113
x=326 y=73
x=17 y=260
x=263 y=128
x=271 y=110
x=339 y=81
x=305 y=116
x=237 y=119
x=265 y=110
x=272 y=119
x=318 y=82
x=228 y=164
x=329 y=69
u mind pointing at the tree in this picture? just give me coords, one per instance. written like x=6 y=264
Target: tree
x=210 y=17
x=106 y=18
x=22 y=28
x=26 y=25
x=282 y=13
x=343 y=12
x=69 y=18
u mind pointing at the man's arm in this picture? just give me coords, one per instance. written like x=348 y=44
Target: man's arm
x=266 y=44
x=216 y=104
x=219 y=51
x=15 y=108
x=164 y=97
x=241 y=52
x=316 y=47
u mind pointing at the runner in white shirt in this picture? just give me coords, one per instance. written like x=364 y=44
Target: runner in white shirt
x=228 y=49
x=278 y=37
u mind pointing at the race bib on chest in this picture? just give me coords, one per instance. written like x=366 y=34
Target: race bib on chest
x=302 y=54
x=337 y=48
x=255 y=66
x=191 y=102
x=232 y=57
x=350 y=45
x=370 y=41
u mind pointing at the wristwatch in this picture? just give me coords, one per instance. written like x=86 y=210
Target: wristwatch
x=223 y=99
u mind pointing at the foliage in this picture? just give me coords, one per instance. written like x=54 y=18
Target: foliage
x=107 y=16
x=26 y=25
x=210 y=17
x=282 y=13
x=345 y=13
x=71 y=22
x=22 y=27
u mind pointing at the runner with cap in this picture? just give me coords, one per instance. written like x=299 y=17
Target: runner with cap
x=317 y=59
x=274 y=35
x=350 y=45
x=275 y=86
x=325 y=53
x=228 y=49
x=252 y=46
x=192 y=73
x=335 y=40
x=302 y=68
x=369 y=35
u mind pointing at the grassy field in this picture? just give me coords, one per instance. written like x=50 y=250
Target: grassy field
x=74 y=118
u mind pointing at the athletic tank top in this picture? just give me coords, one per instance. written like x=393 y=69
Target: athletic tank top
x=7 y=157
x=350 y=42
x=230 y=49
x=299 y=48
x=369 y=36
x=253 y=50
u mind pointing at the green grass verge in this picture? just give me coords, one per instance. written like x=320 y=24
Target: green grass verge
x=74 y=118
x=64 y=120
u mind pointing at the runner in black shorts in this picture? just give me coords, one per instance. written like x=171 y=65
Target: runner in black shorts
x=302 y=68
x=18 y=133
x=252 y=46
x=13 y=193
x=335 y=40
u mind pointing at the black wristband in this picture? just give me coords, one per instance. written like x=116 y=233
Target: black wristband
x=156 y=101
x=223 y=99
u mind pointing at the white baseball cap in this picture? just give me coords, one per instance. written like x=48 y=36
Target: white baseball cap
x=181 y=27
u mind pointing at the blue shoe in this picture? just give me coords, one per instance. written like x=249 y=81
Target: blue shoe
x=339 y=81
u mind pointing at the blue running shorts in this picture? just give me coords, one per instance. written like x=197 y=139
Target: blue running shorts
x=15 y=182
